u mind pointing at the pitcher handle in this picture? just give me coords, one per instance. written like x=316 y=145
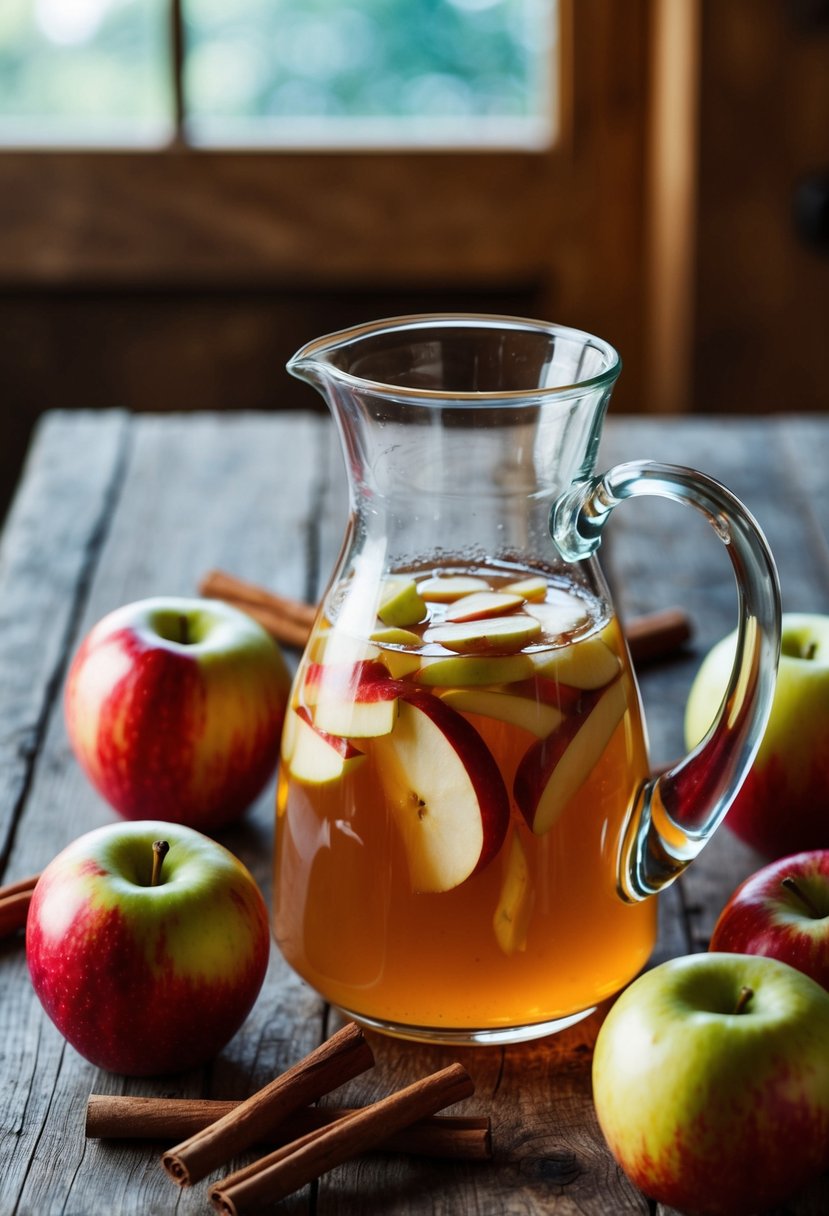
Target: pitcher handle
x=676 y=812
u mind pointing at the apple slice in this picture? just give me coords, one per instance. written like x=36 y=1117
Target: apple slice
x=400 y=602
x=462 y=671
x=483 y=604
x=445 y=792
x=357 y=700
x=527 y=713
x=318 y=758
x=499 y=635
x=533 y=589
x=334 y=648
x=561 y=613
x=511 y=919
x=398 y=662
x=553 y=770
x=288 y=743
x=587 y=664
x=446 y=588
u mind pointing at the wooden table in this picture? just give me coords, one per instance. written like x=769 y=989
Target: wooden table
x=113 y=508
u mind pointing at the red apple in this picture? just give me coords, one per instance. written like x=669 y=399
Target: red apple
x=783 y=805
x=711 y=1083
x=174 y=709
x=445 y=792
x=782 y=911
x=147 y=967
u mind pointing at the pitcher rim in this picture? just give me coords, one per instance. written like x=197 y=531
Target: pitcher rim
x=452 y=320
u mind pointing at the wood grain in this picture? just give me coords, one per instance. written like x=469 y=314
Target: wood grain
x=116 y=508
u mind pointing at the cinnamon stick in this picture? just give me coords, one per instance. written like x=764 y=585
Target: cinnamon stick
x=287 y=1169
x=14 y=905
x=657 y=634
x=118 y=1117
x=345 y=1055
x=653 y=636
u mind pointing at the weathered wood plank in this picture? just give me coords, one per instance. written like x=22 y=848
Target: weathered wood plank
x=195 y=493
x=265 y=497
x=52 y=531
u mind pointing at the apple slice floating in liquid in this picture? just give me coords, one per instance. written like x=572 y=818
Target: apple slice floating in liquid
x=463 y=670
x=533 y=589
x=317 y=758
x=445 y=792
x=400 y=603
x=528 y=713
x=515 y=902
x=499 y=634
x=446 y=588
x=356 y=700
x=587 y=664
x=555 y=769
x=482 y=605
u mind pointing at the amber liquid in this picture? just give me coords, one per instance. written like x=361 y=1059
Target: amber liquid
x=538 y=935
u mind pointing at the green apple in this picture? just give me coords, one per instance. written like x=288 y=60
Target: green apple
x=711 y=1082
x=783 y=805
x=147 y=963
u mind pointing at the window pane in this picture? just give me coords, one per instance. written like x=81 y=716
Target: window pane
x=327 y=72
x=84 y=71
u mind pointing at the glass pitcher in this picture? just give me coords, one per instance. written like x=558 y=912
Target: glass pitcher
x=467 y=831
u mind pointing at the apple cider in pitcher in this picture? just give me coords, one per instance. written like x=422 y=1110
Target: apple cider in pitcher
x=453 y=788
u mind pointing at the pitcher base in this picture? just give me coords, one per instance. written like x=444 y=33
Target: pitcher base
x=467 y=1036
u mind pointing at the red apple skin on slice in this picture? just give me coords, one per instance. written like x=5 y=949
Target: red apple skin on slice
x=553 y=770
x=317 y=758
x=445 y=792
x=356 y=700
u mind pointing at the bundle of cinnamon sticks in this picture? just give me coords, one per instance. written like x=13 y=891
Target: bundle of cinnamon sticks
x=289 y=621
x=305 y=1141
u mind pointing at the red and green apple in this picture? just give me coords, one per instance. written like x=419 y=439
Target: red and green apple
x=147 y=963
x=711 y=1083
x=174 y=709
x=783 y=805
x=782 y=911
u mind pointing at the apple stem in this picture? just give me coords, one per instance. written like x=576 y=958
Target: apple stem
x=743 y=999
x=791 y=884
x=811 y=651
x=183 y=630
x=160 y=850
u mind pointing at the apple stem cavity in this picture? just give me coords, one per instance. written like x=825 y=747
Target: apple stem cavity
x=160 y=850
x=183 y=630
x=743 y=999
x=791 y=884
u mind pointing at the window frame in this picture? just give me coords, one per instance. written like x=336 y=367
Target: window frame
x=568 y=219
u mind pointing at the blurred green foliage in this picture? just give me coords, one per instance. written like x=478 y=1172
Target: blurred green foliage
x=249 y=59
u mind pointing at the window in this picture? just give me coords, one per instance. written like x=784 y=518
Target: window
x=277 y=73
